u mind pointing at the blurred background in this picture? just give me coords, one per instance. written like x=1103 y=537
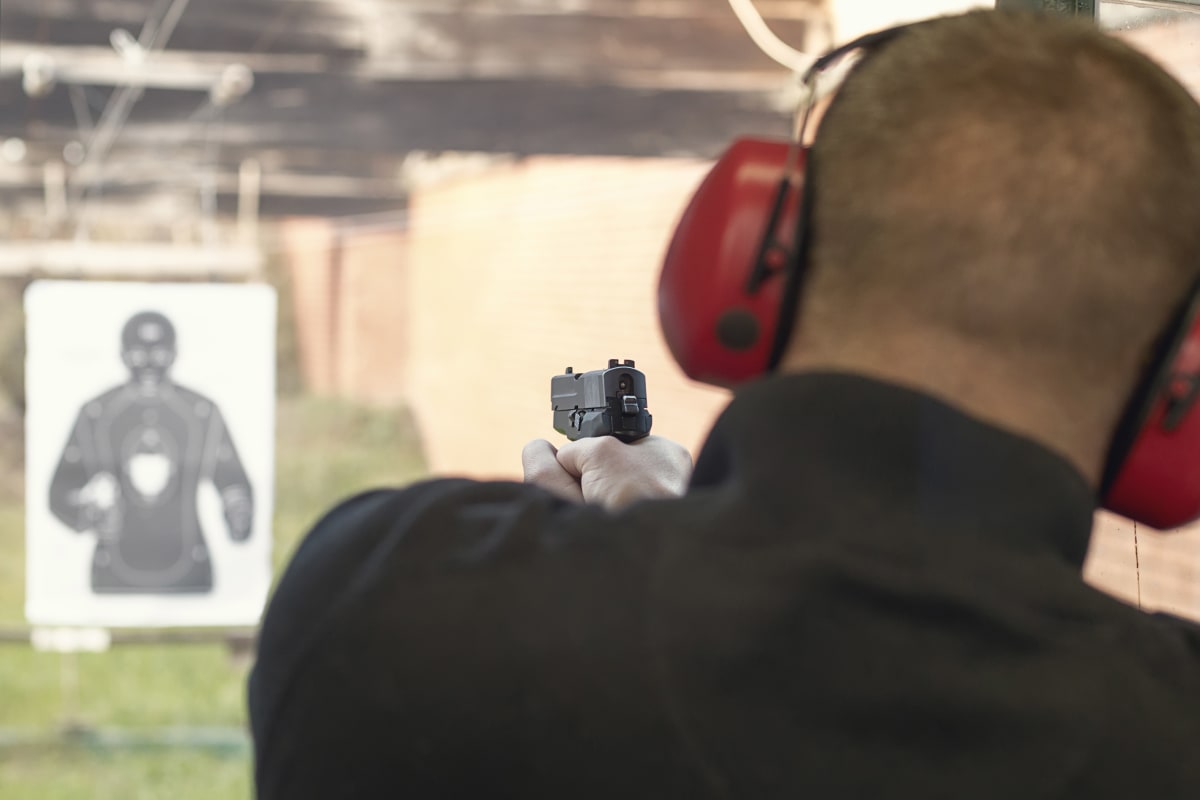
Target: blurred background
x=454 y=199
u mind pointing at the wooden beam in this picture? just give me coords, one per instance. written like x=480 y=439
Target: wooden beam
x=168 y=69
x=196 y=70
x=660 y=9
x=130 y=260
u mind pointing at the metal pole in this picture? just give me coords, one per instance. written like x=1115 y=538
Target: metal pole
x=54 y=186
x=68 y=674
x=249 y=189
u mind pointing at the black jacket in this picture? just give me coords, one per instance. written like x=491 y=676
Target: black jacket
x=864 y=594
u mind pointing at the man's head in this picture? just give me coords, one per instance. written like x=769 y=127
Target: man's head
x=1006 y=213
x=148 y=347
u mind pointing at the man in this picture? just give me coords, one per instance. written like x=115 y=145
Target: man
x=871 y=586
x=133 y=465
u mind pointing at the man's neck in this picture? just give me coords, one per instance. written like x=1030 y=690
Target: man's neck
x=1025 y=399
x=149 y=387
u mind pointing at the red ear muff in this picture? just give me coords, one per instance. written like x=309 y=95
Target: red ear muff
x=729 y=288
x=723 y=281
x=1157 y=480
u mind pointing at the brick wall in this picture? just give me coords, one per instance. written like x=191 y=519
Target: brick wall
x=307 y=247
x=349 y=291
x=373 y=319
x=1172 y=45
x=1158 y=571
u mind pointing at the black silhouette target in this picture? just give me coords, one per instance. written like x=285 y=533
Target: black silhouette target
x=150 y=442
x=133 y=465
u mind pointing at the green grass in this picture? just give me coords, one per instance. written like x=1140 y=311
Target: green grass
x=325 y=451
x=68 y=773
x=328 y=450
x=12 y=565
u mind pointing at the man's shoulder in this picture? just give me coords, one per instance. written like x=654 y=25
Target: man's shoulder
x=1159 y=653
x=98 y=405
x=384 y=513
x=449 y=514
x=1187 y=631
x=458 y=525
x=421 y=539
x=191 y=396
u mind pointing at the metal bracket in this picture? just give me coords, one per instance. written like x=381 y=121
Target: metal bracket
x=1069 y=8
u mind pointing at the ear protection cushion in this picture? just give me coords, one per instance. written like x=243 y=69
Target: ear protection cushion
x=1153 y=475
x=724 y=277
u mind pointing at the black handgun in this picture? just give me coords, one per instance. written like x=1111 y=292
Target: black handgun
x=603 y=402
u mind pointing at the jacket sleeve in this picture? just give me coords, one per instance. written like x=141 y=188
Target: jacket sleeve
x=224 y=467
x=427 y=625
x=1187 y=630
x=76 y=467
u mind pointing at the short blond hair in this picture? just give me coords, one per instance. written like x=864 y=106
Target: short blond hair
x=1010 y=177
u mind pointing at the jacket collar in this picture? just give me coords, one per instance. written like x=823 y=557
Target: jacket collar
x=848 y=453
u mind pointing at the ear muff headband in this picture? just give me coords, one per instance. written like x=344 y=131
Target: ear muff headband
x=805 y=232
x=1150 y=387
x=1152 y=474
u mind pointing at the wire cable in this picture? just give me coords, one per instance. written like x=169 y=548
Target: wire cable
x=761 y=34
x=156 y=31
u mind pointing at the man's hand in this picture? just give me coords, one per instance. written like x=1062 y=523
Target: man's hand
x=607 y=471
x=239 y=512
x=540 y=461
x=99 y=502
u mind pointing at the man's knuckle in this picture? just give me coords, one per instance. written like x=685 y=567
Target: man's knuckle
x=539 y=474
x=606 y=445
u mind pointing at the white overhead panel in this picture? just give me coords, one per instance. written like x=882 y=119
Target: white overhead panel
x=128 y=260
